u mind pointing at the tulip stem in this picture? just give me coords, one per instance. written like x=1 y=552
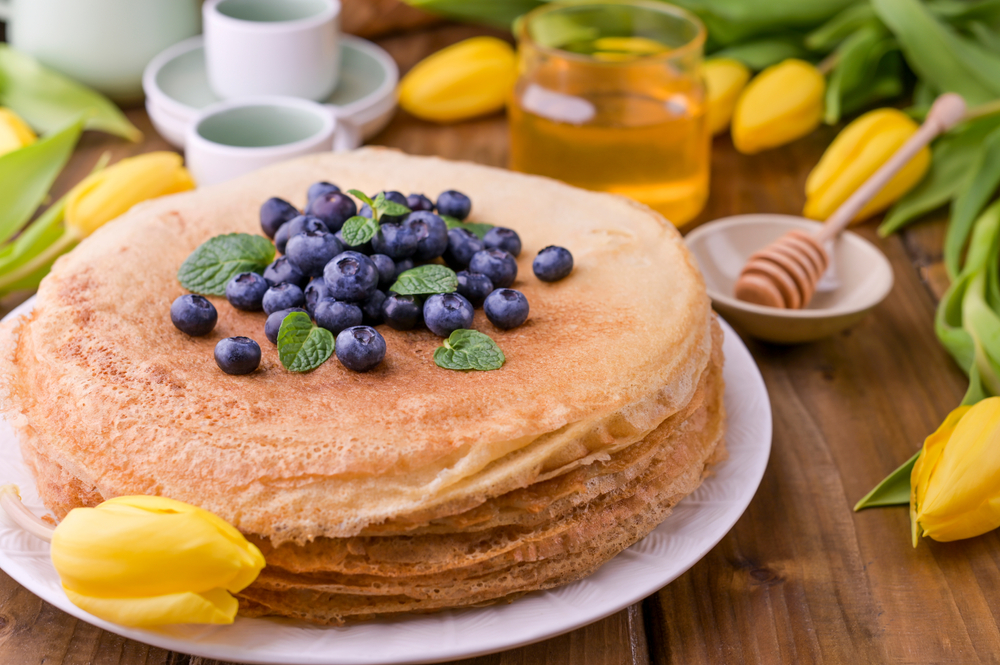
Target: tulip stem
x=53 y=251
x=827 y=64
x=19 y=515
x=987 y=108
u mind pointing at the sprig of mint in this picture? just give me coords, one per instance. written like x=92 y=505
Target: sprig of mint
x=425 y=280
x=380 y=206
x=358 y=230
x=479 y=228
x=303 y=346
x=467 y=350
x=210 y=267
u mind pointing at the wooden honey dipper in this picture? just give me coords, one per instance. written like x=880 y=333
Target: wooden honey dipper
x=784 y=274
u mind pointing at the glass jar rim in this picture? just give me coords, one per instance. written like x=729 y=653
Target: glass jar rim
x=697 y=42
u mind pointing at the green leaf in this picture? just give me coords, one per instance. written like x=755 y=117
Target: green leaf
x=392 y=208
x=894 y=490
x=857 y=58
x=49 y=101
x=762 y=53
x=27 y=174
x=971 y=200
x=219 y=259
x=302 y=346
x=425 y=280
x=840 y=27
x=359 y=230
x=468 y=350
x=364 y=198
x=37 y=236
x=479 y=228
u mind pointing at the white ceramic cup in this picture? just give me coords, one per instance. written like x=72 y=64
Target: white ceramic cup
x=235 y=137
x=272 y=47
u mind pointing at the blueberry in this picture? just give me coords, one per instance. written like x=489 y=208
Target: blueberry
x=431 y=232
x=402 y=312
x=283 y=271
x=395 y=241
x=502 y=238
x=416 y=202
x=371 y=309
x=454 y=204
x=552 y=264
x=336 y=315
x=246 y=291
x=301 y=224
x=282 y=296
x=193 y=315
x=447 y=312
x=366 y=248
x=496 y=264
x=365 y=211
x=350 y=276
x=333 y=209
x=360 y=348
x=318 y=189
x=462 y=244
x=274 y=213
x=315 y=291
x=237 y=355
x=311 y=251
x=273 y=324
x=506 y=308
x=386 y=270
x=474 y=287
x=403 y=266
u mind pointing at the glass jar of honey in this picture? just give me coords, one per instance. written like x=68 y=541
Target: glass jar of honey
x=610 y=97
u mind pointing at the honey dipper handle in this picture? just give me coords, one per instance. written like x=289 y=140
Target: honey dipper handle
x=945 y=113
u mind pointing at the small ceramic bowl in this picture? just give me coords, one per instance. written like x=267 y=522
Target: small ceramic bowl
x=859 y=277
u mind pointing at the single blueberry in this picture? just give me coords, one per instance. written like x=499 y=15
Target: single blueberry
x=445 y=313
x=365 y=248
x=300 y=224
x=474 y=286
x=311 y=251
x=350 y=276
x=416 y=202
x=274 y=213
x=273 y=324
x=315 y=291
x=552 y=264
x=503 y=238
x=318 y=189
x=282 y=296
x=386 y=270
x=403 y=266
x=193 y=315
x=402 y=312
x=333 y=209
x=431 y=232
x=237 y=355
x=462 y=244
x=336 y=315
x=395 y=241
x=506 y=308
x=365 y=211
x=454 y=204
x=372 y=308
x=360 y=348
x=283 y=271
x=496 y=264
x=246 y=291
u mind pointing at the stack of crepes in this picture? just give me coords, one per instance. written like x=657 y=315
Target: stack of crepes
x=411 y=487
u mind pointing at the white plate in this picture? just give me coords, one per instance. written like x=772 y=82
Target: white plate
x=697 y=523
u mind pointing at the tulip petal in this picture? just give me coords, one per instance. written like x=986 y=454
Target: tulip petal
x=215 y=606
x=725 y=79
x=779 y=105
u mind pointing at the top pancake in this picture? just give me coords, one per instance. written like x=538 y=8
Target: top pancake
x=101 y=383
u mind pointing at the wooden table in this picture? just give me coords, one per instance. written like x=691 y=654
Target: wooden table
x=800 y=578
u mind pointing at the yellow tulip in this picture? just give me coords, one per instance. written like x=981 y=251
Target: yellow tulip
x=955 y=483
x=464 y=80
x=782 y=103
x=857 y=152
x=725 y=79
x=147 y=561
x=106 y=194
x=14 y=132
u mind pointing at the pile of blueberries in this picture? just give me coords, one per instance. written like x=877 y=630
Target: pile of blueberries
x=345 y=289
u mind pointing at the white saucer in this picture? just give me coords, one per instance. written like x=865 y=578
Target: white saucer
x=177 y=89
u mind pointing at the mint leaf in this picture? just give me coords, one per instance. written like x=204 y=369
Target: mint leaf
x=301 y=345
x=425 y=280
x=359 y=230
x=210 y=267
x=362 y=197
x=479 y=228
x=392 y=208
x=469 y=349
